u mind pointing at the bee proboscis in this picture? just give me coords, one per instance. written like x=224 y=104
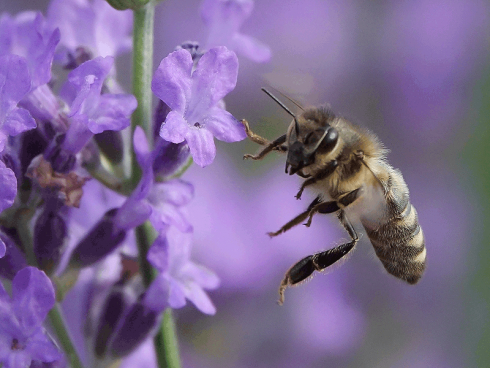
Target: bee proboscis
x=346 y=165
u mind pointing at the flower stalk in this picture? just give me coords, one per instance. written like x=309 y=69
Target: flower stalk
x=142 y=74
x=166 y=346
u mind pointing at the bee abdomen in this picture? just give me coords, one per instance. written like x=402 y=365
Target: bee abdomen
x=399 y=244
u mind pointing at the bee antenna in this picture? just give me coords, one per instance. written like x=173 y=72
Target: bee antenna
x=289 y=99
x=279 y=103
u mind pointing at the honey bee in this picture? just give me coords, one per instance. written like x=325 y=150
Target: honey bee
x=346 y=166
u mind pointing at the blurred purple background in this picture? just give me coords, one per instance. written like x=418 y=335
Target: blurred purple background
x=407 y=70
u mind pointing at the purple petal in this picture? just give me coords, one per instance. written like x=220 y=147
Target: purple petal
x=18 y=359
x=199 y=298
x=215 y=76
x=231 y=14
x=33 y=297
x=3 y=248
x=42 y=349
x=30 y=38
x=78 y=134
x=175 y=128
x=176 y=192
x=8 y=187
x=94 y=24
x=18 y=121
x=140 y=145
x=201 y=144
x=157 y=295
x=112 y=113
x=85 y=83
x=41 y=51
x=132 y=213
x=15 y=82
x=172 y=80
x=170 y=215
x=158 y=254
x=176 y=297
x=224 y=126
x=251 y=48
x=3 y=140
x=202 y=276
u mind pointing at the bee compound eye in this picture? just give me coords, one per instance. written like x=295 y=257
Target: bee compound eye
x=330 y=140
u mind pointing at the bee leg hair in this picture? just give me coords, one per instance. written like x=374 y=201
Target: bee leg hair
x=303 y=269
x=328 y=170
x=297 y=220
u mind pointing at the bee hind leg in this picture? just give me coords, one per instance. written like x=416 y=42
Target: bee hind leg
x=303 y=269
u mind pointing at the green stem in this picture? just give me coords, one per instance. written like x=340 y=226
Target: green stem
x=142 y=73
x=58 y=323
x=167 y=337
x=166 y=347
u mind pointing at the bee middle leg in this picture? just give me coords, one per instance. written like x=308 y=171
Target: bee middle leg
x=328 y=207
x=303 y=269
x=298 y=219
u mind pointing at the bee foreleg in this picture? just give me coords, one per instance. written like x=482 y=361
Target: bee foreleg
x=328 y=170
x=275 y=145
x=319 y=261
x=297 y=220
x=254 y=137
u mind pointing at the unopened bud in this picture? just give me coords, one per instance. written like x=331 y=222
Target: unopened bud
x=101 y=240
x=49 y=235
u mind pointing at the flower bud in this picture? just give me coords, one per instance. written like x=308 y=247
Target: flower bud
x=112 y=311
x=101 y=240
x=137 y=325
x=50 y=232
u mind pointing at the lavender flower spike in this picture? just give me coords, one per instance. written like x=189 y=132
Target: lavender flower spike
x=224 y=19
x=193 y=97
x=15 y=82
x=22 y=337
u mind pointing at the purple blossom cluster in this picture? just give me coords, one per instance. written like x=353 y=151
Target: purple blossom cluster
x=91 y=198
x=71 y=207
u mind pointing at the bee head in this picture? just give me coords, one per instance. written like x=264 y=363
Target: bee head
x=303 y=146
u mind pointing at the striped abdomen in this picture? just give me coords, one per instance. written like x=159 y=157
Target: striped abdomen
x=398 y=239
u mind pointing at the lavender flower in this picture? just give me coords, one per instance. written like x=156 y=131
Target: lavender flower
x=224 y=18
x=15 y=83
x=8 y=187
x=193 y=97
x=179 y=277
x=92 y=25
x=23 y=338
x=28 y=35
x=92 y=112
